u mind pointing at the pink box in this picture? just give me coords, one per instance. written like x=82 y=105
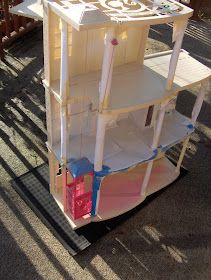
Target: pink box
x=79 y=202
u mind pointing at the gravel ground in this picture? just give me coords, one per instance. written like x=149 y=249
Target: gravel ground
x=169 y=238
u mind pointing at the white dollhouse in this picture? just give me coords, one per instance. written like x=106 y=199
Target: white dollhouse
x=110 y=109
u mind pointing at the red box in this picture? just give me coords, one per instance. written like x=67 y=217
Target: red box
x=79 y=202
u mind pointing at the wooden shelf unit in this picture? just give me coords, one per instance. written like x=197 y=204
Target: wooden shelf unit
x=100 y=90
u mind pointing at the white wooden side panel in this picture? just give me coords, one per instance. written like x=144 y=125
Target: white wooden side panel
x=55 y=46
x=95 y=49
x=86 y=48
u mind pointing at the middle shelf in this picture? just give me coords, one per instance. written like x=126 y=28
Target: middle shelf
x=137 y=86
x=125 y=143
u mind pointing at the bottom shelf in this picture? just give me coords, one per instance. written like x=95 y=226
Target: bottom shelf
x=120 y=192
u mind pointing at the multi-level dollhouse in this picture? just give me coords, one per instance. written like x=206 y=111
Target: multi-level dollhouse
x=111 y=113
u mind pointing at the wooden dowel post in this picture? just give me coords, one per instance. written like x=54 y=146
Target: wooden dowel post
x=199 y=102
x=105 y=86
x=64 y=74
x=182 y=154
x=178 y=34
x=51 y=171
x=195 y=113
x=107 y=68
x=102 y=119
x=155 y=143
x=64 y=186
x=100 y=139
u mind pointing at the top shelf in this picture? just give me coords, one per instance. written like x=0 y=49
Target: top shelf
x=88 y=14
x=134 y=86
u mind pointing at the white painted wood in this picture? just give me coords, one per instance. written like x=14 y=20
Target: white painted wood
x=126 y=144
x=179 y=27
x=64 y=187
x=64 y=75
x=155 y=141
x=83 y=16
x=29 y=8
x=64 y=71
x=52 y=183
x=182 y=154
x=72 y=13
x=105 y=85
x=107 y=69
x=144 y=36
x=175 y=128
x=199 y=101
x=100 y=124
x=116 y=200
x=100 y=139
x=130 y=81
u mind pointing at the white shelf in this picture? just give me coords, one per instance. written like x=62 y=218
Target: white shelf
x=134 y=86
x=175 y=128
x=125 y=144
x=189 y=71
x=118 y=196
x=123 y=147
x=130 y=83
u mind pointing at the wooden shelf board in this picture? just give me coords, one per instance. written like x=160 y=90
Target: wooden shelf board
x=125 y=144
x=128 y=90
x=175 y=129
x=131 y=82
x=122 y=149
x=189 y=71
x=116 y=200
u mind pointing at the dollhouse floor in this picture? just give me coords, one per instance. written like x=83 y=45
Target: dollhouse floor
x=120 y=192
x=126 y=145
x=129 y=80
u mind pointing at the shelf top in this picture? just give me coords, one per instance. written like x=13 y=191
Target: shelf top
x=85 y=14
x=134 y=86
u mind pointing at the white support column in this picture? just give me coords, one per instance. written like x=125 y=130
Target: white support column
x=155 y=143
x=64 y=73
x=104 y=91
x=182 y=154
x=178 y=34
x=199 y=101
x=100 y=139
x=105 y=86
x=195 y=113
x=64 y=77
x=51 y=172
x=107 y=68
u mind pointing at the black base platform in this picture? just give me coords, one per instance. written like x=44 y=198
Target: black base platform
x=33 y=187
